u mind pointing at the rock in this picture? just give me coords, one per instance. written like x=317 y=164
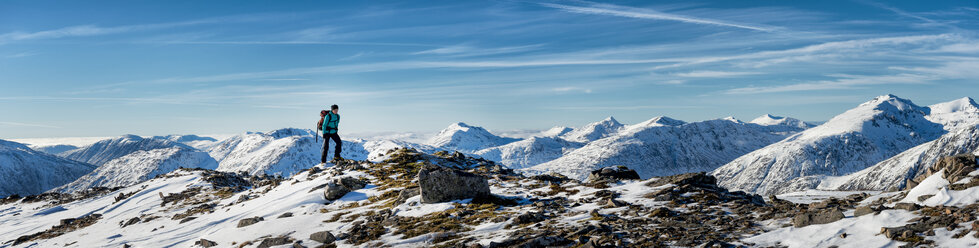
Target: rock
x=339 y=187
x=285 y=215
x=528 y=218
x=132 y=221
x=440 y=184
x=863 y=210
x=269 y=242
x=551 y=177
x=661 y=212
x=893 y=232
x=405 y=194
x=955 y=168
x=249 y=221
x=907 y=206
x=205 y=243
x=817 y=217
x=325 y=237
x=546 y=242
x=613 y=173
x=696 y=179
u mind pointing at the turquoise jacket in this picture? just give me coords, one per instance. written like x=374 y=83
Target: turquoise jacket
x=330 y=123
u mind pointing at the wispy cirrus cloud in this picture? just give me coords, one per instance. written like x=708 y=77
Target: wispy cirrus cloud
x=715 y=74
x=96 y=30
x=21 y=124
x=641 y=13
x=848 y=82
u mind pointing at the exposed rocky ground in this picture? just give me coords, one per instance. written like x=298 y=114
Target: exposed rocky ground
x=414 y=199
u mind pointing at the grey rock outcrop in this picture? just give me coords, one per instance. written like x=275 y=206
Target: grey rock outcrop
x=339 y=187
x=440 y=184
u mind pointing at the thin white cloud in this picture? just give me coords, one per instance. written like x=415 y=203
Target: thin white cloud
x=20 y=55
x=469 y=51
x=572 y=89
x=640 y=13
x=816 y=51
x=848 y=82
x=94 y=30
x=21 y=124
x=715 y=74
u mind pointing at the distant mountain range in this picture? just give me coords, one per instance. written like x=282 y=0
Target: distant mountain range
x=877 y=145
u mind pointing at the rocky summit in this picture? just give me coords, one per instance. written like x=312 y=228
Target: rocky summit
x=417 y=199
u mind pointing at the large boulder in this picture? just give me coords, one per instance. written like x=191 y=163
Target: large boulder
x=250 y=221
x=440 y=184
x=337 y=188
x=817 y=217
x=613 y=173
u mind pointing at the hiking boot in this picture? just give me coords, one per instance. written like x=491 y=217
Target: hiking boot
x=336 y=159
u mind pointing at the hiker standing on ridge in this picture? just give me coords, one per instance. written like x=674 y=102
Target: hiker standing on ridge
x=328 y=124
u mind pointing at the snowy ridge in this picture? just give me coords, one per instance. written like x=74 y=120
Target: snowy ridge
x=960 y=113
x=54 y=149
x=771 y=120
x=894 y=172
x=661 y=150
x=195 y=141
x=852 y=141
x=280 y=152
x=140 y=166
x=529 y=152
x=556 y=131
x=465 y=138
x=594 y=131
x=25 y=172
x=104 y=151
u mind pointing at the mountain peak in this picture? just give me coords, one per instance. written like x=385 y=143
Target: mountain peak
x=773 y=120
x=661 y=121
x=131 y=137
x=731 y=119
x=610 y=119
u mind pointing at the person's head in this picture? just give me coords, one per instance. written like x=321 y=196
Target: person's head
x=335 y=109
x=322 y=113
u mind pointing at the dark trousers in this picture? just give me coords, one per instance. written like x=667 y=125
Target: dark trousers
x=326 y=145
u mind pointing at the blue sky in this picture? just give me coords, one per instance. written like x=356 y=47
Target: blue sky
x=106 y=68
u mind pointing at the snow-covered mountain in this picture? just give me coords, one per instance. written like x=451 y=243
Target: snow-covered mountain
x=104 y=151
x=850 y=142
x=24 y=171
x=556 y=131
x=960 y=113
x=54 y=149
x=465 y=138
x=195 y=141
x=140 y=166
x=529 y=152
x=771 y=120
x=894 y=172
x=594 y=131
x=653 y=148
x=280 y=152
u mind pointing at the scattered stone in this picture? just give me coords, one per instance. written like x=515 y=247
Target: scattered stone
x=551 y=177
x=863 y=210
x=907 y=206
x=817 y=217
x=134 y=220
x=325 y=237
x=269 y=242
x=285 y=215
x=339 y=187
x=440 y=184
x=612 y=174
x=528 y=218
x=249 y=221
x=695 y=179
x=205 y=243
x=66 y=226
